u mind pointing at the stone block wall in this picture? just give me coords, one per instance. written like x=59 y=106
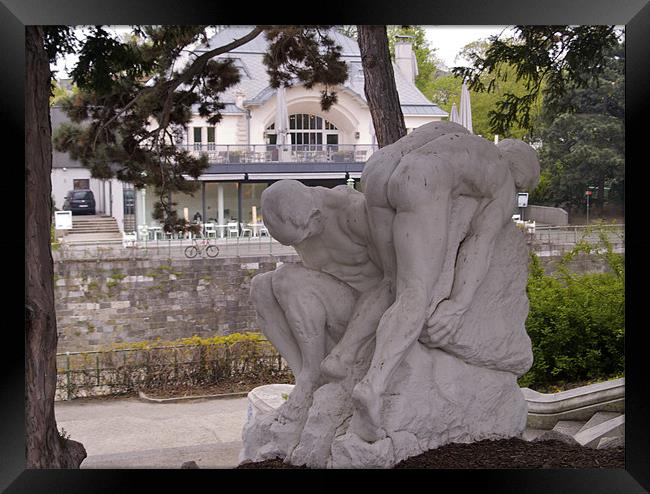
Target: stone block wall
x=103 y=302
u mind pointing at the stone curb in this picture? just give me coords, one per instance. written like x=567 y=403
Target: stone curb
x=545 y=410
x=147 y=399
x=572 y=399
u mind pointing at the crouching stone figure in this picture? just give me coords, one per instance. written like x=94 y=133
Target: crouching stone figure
x=404 y=324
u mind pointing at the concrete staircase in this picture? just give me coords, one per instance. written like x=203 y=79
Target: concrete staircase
x=602 y=430
x=93 y=230
x=592 y=416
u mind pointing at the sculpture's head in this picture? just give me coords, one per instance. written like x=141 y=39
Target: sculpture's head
x=291 y=212
x=522 y=161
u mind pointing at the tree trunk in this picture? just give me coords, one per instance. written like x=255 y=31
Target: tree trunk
x=379 y=85
x=45 y=447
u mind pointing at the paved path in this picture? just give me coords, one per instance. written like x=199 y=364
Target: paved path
x=128 y=433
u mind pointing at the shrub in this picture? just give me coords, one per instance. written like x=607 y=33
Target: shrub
x=576 y=322
x=157 y=364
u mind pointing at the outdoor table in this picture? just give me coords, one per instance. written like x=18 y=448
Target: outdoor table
x=222 y=230
x=256 y=227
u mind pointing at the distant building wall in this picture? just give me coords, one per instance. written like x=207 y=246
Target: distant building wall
x=547 y=215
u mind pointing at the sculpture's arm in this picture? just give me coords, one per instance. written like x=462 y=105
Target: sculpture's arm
x=472 y=265
x=362 y=326
x=380 y=219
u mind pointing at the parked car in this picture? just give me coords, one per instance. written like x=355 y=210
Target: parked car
x=80 y=201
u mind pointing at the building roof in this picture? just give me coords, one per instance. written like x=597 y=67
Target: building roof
x=254 y=82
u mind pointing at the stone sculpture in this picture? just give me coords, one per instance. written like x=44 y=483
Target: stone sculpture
x=404 y=325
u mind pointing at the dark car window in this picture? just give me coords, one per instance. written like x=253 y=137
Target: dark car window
x=82 y=194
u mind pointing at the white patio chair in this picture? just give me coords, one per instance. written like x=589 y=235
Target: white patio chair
x=210 y=230
x=245 y=230
x=232 y=229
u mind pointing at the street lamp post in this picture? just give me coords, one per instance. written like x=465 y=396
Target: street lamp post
x=588 y=194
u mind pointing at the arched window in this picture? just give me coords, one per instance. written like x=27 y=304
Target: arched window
x=308 y=132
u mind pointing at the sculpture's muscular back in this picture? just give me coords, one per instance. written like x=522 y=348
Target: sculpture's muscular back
x=344 y=247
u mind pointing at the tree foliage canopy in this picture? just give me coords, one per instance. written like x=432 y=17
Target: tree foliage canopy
x=445 y=90
x=583 y=135
x=549 y=60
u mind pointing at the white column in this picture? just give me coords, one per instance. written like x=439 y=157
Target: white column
x=220 y=213
x=143 y=221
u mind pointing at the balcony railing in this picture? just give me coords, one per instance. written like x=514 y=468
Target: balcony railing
x=296 y=153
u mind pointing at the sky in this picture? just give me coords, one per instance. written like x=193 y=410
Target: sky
x=448 y=40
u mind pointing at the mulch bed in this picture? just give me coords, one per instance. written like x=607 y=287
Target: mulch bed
x=504 y=453
x=224 y=386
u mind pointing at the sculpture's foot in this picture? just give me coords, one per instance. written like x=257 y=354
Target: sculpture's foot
x=367 y=403
x=334 y=367
x=296 y=407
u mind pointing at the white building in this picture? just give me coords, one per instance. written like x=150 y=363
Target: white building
x=327 y=148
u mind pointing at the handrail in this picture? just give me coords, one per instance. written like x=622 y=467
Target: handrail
x=292 y=153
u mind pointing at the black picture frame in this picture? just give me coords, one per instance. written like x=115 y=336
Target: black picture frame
x=634 y=14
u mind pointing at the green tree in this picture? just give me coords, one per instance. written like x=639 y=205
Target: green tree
x=60 y=93
x=583 y=135
x=425 y=55
x=445 y=90
x=549 y=60
x=582 y=150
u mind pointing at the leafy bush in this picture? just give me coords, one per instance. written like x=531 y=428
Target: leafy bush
x=576 y=322
x=157 y=364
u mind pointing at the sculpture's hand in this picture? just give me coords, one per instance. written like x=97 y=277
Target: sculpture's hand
x=442 y=325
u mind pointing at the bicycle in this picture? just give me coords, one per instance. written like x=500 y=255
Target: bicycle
x=211 y=250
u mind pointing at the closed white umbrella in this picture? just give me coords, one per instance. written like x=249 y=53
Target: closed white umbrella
x=454 y=117
x=282 y=119
x=465 y=109
x=373 y=136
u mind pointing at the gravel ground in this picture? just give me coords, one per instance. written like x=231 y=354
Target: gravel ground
x=505 y=453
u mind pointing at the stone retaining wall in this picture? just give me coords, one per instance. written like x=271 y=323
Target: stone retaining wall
x=103 y=302
x=547 y=215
